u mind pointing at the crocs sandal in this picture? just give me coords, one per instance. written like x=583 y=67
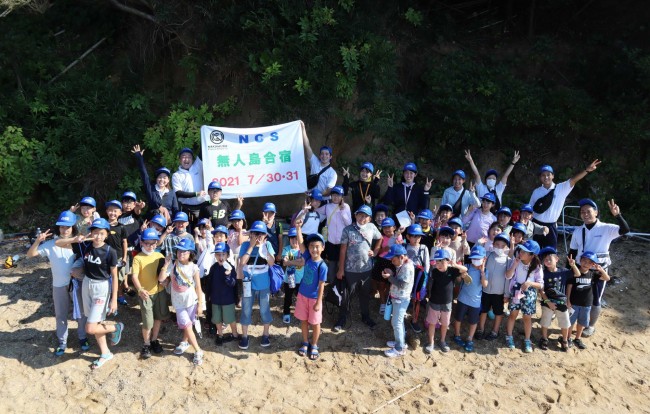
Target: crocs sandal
x=313 y=353
x=304 y=348
x=103 y=358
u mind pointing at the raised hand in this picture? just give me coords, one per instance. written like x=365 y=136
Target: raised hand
x=571 y=261
x=613 y=208
x=136 y=149
x=389 y=179
x=169 y=229
x=592 y=167
x=43 y=236
x=240 y=199
x=468 y=156
x=427 y=185
x=74 y=208
x=346 y=171
x=471 y=186
x=139 y=206
x=377 y=175
x=515 y=158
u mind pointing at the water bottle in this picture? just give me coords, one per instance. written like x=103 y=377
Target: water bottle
x=388 y=310
x=247 y=287
x=291 y=277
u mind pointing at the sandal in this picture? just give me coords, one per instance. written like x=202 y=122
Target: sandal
x=304 y=348
x=314 y=354
x=198 y=358
x=103 y=358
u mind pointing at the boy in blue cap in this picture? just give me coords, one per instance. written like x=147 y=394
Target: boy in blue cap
x=469 y=298
x=364 y=191
x=458 y=196
x=175 y=233
x=87 y=213
x=221 y=287
x=425 y=219
x=117 y=239
x=496 y=264
x=532 y=228
x=491 y=185
x=321 y=164
x=274 y=230
x=401 y=284
x=218 y=210
x=291 y=260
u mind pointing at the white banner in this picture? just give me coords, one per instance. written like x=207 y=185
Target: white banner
x=254 y=162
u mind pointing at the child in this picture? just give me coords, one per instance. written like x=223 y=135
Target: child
x=492 y=299
x=186 y=292
x=445 y=234
x=491 y=185
x=222 y=288
x=175 y=233
x=88 y=212
x=458 y=240
x=418 y=254
x=205 y=262
x=469 y=298
x=401 y=284
x=237 y=233
x=441 y=289
x=152 y=296
x=388 y=239
x=61 y=261
x=162 y=199
x=99 y=289
x=479 y=220
x=292 y=262
x=309 y=214
x=443 y=216
x=579 y=291
x=554 y=299
x=380 y=212
x=526 y=278
x=366 y=190
x=532 y=228
x=203 y=236
x=309 y=305
x=337 y=216
x=273 y=229
x=503 y=218
x=130 y=219
x=218 y=211
x=425 y=218
x=488 y=242
x=254 y=261
x=517 y=237
x=117 y=239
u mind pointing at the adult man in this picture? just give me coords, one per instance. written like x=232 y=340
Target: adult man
x=187 y=183
x=548 y=200
x=320 y=164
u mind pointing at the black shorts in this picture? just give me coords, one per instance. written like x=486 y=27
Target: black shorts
x=492 y=301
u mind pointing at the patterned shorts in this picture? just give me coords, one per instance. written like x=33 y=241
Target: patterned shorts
x=527 y=304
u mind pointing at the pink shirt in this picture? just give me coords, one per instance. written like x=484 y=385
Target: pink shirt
x=479 y=224
x=337 y=220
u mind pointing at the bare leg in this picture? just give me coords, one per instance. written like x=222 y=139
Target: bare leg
x=472 y=330
x=528 y=326
x=511 y=322
x=481 y=321
x=497 y=323
x=304 y=326
x=315 y=334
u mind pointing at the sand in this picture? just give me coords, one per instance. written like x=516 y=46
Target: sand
x=352 y=375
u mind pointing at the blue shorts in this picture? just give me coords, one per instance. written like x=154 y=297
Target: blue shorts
x=471 y=312
x=581 y=315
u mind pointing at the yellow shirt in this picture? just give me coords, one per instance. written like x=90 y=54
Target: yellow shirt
x=146 y=267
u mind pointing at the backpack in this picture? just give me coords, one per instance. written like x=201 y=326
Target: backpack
x=276 y=275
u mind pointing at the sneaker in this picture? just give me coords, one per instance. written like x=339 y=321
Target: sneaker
x=579 y=344
x=219 y=340
x=587 y=332
x=338 y=326
x=469 y=346
x=510 y=342
x=392 y=353
x=198 y=358
x=122 y=300
x=492 y=336
x=429 y=348
x=60 y=350
x=479 y=335
x=528 y=346
x=117 y=335
x=243 y=342
x=416 y=327
x=266 y=342
x=229 y=338
x=182 y=347
x=444 y=347
x=366 y=319
x=390 y=344
x=84 y=344
x=286 y=319
x=459 y=341
x=543 y=344
x=156 y=347
x=145 y=353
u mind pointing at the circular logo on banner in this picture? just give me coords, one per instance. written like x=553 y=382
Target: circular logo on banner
x=216 y=137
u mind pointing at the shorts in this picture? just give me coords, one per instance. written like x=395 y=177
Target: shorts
x=527 y=304
x=185 y=317
x=95 y=296
x=223 y=314
x=436 y=315
x=581 y=315
x=492 y=301
x=547 y=318
x=305 y=310
x=156 y=308
x=471 y=312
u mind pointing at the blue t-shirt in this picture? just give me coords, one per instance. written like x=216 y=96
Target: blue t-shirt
x=256 y=268
x=293 y=254
x=470 y=294
x=315 y=272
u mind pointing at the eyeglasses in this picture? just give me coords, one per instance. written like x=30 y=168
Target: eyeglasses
x=148 y=243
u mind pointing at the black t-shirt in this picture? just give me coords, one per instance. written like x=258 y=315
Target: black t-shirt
x=274 y=234
x=441 y=289
x=116 y=234
x=218 y=214
x=97 y=261
x=131 y=223
x=555 y=282
x=581 y=292
x=429 y=238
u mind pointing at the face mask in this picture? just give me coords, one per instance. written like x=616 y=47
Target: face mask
x=491 y=182
x=477 y=262
x=146 y=253
x=500 y=252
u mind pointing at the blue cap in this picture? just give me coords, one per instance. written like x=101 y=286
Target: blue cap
x=441 y=254
x=237 y=215
x=337 y=189
x=414 y=230
x=530 y=246
x=519 y=227
x=314 y=237
x=364 y=209
x=447 y=230
x=526 y=207
x=67 y=218
x=503 y=237
x=184 y=150
x=545 y=168
x=114 y=203
x=388 y=222
x=220 y=229
x=214 y=185
x=455 y=221
x=381 y=207
x=491 y=172
x=89 y=201
x=478 y=252
x=159 y=220
x=292 y=232
x=163 y=170
x=589 y=255
x=186 y=245
x=459 y=173
x=150 y=234
x=588 y=202
x=325 y=148
x=489 y=197
x=368 y=166
x=395 y=250
x=269 y=208
x=180 y=216
x=129 y=194
x=100 y=223
x=425 y=214
x=221 y=247
x=447 y=207
x=316 y=195
x=410 y=166
x=258 y=227
x=203 y=222
x=546 y=251
x=504 y=210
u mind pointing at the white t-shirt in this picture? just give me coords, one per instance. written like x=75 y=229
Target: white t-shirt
x=482 y=189
x=61 y=261
x=597 y=240
x=183 y=289
x=190 y=180
x=551 y=215
x=327 y=179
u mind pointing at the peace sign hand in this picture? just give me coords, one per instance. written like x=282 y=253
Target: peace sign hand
x=468 y=156
x=377 y=175
x=571 y=261
x=613 y=208
x=471 y=186
x=515 y=158
x=390 y=179
x=346 y=171
x=592 y=167
x=43 y=236
x=427 y=185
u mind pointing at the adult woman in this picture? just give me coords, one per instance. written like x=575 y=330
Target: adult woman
x=162 y=200
x=408 y=196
